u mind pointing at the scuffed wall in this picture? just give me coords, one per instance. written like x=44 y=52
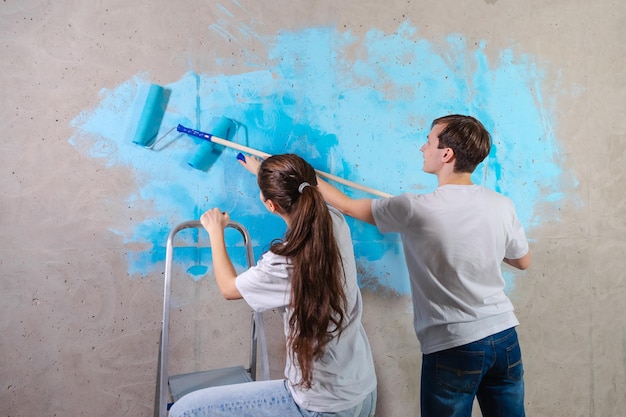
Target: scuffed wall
x=353 y=88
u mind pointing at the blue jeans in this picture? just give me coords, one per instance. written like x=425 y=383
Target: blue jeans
x=489 y=369
x=256 y=399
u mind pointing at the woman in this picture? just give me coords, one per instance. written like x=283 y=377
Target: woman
x=310 y=276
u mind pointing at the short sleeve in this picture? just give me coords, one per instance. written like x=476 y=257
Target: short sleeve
x=266 y=285
x=391 y=214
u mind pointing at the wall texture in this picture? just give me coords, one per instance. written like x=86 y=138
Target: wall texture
x=352 y=86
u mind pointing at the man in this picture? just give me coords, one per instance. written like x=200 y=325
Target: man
x=455 y=240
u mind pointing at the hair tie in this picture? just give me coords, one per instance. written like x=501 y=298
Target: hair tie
x=303 y=186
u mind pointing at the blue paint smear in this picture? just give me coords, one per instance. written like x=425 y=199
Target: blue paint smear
x=357 y=107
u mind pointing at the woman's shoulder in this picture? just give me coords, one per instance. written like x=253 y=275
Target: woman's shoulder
x=334 y=213
x=339 y=221
x=273 y=261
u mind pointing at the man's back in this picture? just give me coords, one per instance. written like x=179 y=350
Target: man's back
x=455 y=239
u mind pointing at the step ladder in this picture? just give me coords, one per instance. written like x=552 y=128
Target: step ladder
x=170 y=388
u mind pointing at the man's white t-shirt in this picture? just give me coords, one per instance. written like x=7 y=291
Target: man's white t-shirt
x=454 y=241
x=345 y=375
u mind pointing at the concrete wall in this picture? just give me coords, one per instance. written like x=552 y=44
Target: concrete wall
x=350 y=85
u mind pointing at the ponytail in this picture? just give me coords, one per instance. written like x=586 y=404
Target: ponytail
x=318 y=300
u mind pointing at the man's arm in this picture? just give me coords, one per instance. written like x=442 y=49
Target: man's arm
x=358 y=208
x=519 y=263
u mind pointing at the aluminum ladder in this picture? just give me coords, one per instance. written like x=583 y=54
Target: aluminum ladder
x=175 y=386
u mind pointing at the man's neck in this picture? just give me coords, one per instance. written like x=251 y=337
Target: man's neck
x=455 y=178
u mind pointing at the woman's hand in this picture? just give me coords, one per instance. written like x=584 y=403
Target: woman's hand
x=252 y=164
x=214 y=220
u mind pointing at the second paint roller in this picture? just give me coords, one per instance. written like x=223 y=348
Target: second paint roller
x=208 y=153
x=225 y=128
x=215 y=139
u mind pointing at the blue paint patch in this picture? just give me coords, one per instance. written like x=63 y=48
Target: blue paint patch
x=357 y=107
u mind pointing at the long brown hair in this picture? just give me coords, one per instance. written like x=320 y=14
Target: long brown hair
x=317 y=296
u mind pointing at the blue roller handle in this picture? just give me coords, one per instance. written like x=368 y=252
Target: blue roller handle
x=196 y=133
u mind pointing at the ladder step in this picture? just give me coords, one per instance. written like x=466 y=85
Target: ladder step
x=185 y=383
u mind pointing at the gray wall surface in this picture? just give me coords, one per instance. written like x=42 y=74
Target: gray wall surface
x=80 y=297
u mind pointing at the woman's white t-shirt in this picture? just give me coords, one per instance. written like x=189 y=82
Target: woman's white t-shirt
x=345 y=374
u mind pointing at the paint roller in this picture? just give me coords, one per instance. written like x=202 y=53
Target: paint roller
x=151 y=116
x=225 y=128
x=208 y=153
x=227 y=143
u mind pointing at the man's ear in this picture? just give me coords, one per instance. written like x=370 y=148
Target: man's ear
x=448 y=155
